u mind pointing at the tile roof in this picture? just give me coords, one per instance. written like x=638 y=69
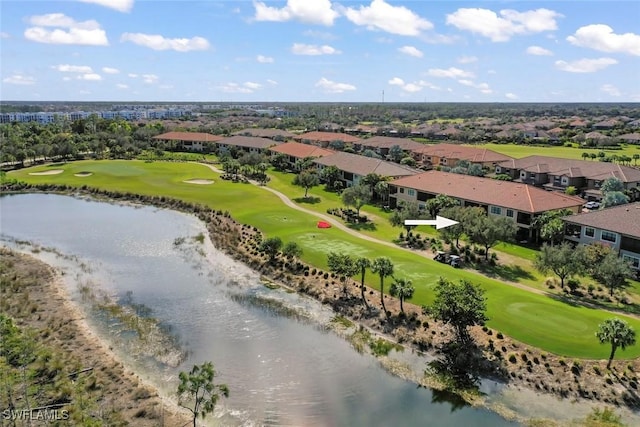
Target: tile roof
x=189 y=136
x=301 y=151
x=362 y=165
x=265 y=133
x=248 y=141
x=588 y=168
x=462 y=152
x=389 y=141
x=622 y=219
x=327 y=137
x=512 y=195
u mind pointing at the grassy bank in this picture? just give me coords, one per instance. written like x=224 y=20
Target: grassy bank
x=540 y=321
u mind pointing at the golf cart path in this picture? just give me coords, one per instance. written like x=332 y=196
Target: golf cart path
x=336 y=223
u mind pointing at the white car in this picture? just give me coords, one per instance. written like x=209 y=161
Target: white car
x=592 y=205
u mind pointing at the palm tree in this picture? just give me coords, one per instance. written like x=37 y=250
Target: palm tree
x=383 y=267
x=403 y=289
x=363 y=263
x=618 y=333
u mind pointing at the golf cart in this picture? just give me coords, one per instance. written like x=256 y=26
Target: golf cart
x=442 y=257
x=455 y=261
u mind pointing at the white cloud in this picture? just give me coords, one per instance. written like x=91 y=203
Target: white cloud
x=66 y=79
x=90 y=76
x=4 y=35
x=122 y=86
x=482 y=87
x=380 y=15
x=310 y=49
x=68 y=32
x=166 y=87
x=467 y=59
x=538 y=51
x=412 y=87
x=133 y=75
x=601 y=37
x=500 y=28
x=150 y=78
x=511 y=96
x=66 y=68
x=451 y=72
x=411 y=51
x=585 y=65
x=322 y=35
x=610 y=89
x=264 y=59
x=119 y=5
x=334 y=87
x=158 y=42
x=246 y=87
x=252 y=85
x=272 y=82
x=308 y=11
x=19 y=79
x=110 y=70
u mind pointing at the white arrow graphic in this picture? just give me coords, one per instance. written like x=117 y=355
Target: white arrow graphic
x=439 y=222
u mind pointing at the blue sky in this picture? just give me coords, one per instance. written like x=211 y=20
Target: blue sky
x=320 y=50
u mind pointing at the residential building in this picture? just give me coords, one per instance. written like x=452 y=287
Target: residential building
x=586 y=176
x=190 y=141
x=382 y=144
x=450 y=154
x=323 y=139
x=355 y=167
x=617 y=227
x=249 y=144
x=297 y=151
x=275 y=134
x=517 y=201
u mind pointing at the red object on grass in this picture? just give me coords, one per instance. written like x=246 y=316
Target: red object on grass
x=323 y=224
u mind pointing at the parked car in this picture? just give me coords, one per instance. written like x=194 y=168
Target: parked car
x=592 y=205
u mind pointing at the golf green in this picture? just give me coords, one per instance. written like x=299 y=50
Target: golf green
x=538 y=320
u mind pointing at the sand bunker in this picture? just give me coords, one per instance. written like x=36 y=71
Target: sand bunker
x=49 y=172
x=83 y=174
x=199 y=181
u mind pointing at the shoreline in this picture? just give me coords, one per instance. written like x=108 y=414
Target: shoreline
x=119 y=388
x=236 y=240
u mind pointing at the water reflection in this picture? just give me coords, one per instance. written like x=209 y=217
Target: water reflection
x=282 y=368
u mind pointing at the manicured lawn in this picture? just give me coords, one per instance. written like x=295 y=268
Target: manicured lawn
x=519 y=151
x=534 y=319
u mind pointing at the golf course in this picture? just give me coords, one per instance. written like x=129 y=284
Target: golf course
x=528 y=316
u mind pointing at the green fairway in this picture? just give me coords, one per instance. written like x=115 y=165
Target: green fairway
x=534 y=319
x=519 y=151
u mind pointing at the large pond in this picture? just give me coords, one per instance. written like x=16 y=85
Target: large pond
x=281 y=369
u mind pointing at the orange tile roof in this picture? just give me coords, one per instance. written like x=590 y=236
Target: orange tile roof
x=189 y=136
x=462 y=152
x=249 y=142
x=301 y=151
x=327 y=137
x=623 y=219
x=512 y=195
x=362 y=165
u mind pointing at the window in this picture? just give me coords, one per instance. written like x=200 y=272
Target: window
x=401 y=190
x=496 y=210
x=597 y=184
x=609 y=236
x=510 y=213
x=411 y=192
x=635 y=262
x=589 y=232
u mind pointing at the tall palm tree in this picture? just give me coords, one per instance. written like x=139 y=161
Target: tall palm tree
x=618 y=333
x=383 y=267
x=403 y=289
x=363 y=263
